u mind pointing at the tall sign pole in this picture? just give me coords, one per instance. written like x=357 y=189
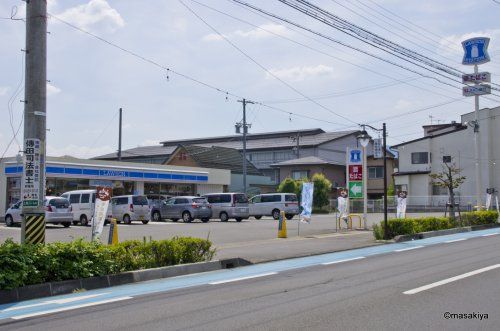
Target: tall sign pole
x=475 y=53
x=245 y=131
x=33 y=177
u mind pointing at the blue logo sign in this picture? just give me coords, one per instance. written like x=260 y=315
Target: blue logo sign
x=355 y=156
x=476 y=51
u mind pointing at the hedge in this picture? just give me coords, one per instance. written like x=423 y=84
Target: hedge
x=22 y=265
x=403 y=226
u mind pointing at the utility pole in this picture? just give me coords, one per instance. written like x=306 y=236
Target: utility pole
x=298 y=145
x=35 y=106
x=245 y=131
x=120 y=137
x=384 y=134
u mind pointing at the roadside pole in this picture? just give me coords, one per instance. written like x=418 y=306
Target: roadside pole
x=120 y=136
x=35 y=103
x=245 y=131
x=477 y=147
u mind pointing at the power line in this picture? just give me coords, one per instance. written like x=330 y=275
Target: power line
x=264 y=68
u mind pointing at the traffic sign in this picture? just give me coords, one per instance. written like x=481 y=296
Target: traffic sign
x=469 y=91
x=355 y=190
x=355 y=172
x=355 y=156
x=475 y=51
x=480 y=77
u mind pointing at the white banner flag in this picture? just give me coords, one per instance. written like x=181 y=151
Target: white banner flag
x=307 y=201
x=101 y=207
x=401 y=207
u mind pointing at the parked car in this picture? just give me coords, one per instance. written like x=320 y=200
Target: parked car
x=83 y=206
x=188 y=208
x=57 y=211
x=272 y=204
x=228 y=205
x=155 y=205
x=128 y=208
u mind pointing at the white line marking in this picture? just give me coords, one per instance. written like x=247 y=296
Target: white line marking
x=454 y=241
x=45 y=312
x=452 y=279
x=242 y=278
x=346 y=260
x=408 y=249
x=58 y=301
x=489 y=234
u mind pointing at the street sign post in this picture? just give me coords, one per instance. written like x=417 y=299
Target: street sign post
x=356 y=190
x=480 y=77
x=475 y=51
x=479 y=89
x=355 y=174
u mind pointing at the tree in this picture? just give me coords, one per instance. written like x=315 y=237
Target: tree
x=450 y=179
x=288 y=185
x=322 y=188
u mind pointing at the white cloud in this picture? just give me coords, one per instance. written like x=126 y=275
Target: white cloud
x=78 y=151
x=301 y=73
x=52 y=90
x=150 y=142
x=403 y=104
x=453 y=44
x=96 y=13
x=262 y=32
x=3 y=90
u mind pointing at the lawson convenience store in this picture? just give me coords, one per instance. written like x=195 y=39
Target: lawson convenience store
x=67 y=174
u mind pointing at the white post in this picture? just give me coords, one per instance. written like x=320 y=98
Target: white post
x=477 y=151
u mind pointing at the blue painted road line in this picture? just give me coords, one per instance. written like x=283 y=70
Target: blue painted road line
x=49 y=305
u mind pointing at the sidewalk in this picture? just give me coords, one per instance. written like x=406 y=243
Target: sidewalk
x=276 y=249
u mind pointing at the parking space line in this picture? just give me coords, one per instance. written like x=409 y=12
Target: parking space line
x=449 y=280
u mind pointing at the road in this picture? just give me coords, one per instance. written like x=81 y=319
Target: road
x=410 y=286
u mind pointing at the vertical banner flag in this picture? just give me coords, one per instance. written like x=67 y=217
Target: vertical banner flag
x=101 y=207
x=401 y=208
x=307 y=201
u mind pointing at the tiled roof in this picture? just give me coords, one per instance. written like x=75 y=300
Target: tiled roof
x=309 y=160
x=141 y=152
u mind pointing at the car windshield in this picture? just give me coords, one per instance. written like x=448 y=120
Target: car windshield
x=200 y=200
x=291 y=197
x=140 y=200
x=59 y=203
x=240 y=198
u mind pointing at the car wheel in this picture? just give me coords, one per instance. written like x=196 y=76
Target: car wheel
x=66 y=224
x=223 y=217
x=9 y=221
x=126 y=219
x=276 y=214
x=75 y=222
x=156 y=216
x=186 y=217
x=145 y=221
x=257 y=217
x=205 y=220
x=174 y=219
x=239 y=219
x=83 y=220
x=289 y=216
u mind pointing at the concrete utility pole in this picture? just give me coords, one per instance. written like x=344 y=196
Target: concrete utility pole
x=120 y=137
x=245 y=131
x=33 y=177
x=298 y=145
x=477 y=151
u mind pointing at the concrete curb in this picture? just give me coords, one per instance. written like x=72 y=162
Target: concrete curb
x=69 y=286
x=423 y=235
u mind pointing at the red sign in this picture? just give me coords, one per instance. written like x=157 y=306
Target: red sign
x=355 y=172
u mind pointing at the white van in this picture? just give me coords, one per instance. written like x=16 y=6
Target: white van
x=272 y=204
x=83 y=204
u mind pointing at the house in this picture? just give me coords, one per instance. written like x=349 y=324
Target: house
x=222 y=158
x=451 y=142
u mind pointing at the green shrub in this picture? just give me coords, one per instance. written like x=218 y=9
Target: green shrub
x=33 y=264
x=396 y=227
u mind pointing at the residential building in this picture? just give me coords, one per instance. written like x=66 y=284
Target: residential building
x=454 y=141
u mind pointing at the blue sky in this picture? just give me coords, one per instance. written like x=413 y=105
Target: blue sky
x=90 y=80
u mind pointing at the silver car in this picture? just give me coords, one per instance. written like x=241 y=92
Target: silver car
x=229 y=205
x=57 y=211
x=128 y=208
x=188 y=208
x=272 y=204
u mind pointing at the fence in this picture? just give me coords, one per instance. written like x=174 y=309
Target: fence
x=435 y=203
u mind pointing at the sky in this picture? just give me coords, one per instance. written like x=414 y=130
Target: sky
x=303 y=80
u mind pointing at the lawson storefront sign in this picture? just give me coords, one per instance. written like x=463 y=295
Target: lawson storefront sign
x=117 y=174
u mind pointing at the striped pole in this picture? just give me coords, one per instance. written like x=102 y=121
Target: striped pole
x=34 y=229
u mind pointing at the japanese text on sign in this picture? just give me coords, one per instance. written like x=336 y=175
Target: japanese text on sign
x=31 y=173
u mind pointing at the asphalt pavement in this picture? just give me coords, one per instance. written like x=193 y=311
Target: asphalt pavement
x=441 y=283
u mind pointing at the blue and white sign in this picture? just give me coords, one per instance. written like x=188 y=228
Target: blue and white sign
x=476 y=51
x=355 y=156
